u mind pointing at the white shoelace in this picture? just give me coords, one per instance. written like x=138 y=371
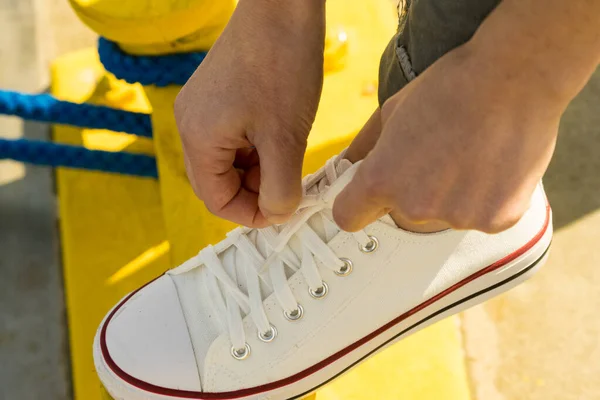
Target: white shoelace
x=230 y=301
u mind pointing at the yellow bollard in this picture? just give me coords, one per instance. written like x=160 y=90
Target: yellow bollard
x=156 y=26
x=167 y=224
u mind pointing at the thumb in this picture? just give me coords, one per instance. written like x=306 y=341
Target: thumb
x=281 y=158
x=361 y=202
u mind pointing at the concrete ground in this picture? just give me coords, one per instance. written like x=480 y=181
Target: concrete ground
x=542 y=339
x=34 y=361
x=539 y=341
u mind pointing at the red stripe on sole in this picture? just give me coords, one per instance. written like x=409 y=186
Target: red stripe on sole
x=309 y=371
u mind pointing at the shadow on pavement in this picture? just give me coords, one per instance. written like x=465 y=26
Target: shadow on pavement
x=573 y=178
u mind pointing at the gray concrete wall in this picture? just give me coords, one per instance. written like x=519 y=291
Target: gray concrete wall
x=34 y=361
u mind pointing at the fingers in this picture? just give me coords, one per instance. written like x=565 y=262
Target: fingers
x=249 y=186
x=460 y=202
x=361 y=202
x=225 y=191
x=366 y=139
x=246 y=158
x=356 y=206
x=281 y=158
x=251 y=178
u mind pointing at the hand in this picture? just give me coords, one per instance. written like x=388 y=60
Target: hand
x=465 y=144
x=245 y=114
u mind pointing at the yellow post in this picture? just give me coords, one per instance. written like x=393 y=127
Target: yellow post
x=112 y=231
x=358 y=31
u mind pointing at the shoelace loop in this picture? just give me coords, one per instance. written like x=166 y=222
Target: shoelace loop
x=227 y=297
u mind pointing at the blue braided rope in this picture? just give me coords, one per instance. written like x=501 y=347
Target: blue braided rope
x=171 y=69
x=46 y=108
x=61 y=155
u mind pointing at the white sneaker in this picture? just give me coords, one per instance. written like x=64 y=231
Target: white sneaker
x=275 y=313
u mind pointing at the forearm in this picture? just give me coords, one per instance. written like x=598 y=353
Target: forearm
x=291 y=14
x=550 y=46
x=294 y=29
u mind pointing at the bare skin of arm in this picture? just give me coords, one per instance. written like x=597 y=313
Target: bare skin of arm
x=465 y=143
x=245 y=114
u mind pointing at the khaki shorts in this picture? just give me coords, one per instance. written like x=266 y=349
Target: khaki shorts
x=427 y=30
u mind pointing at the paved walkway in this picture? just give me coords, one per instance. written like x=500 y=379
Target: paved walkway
x=34 y=361
x=540 y=341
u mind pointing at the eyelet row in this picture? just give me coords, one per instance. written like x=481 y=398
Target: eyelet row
x=244 y=352
x=298 y=313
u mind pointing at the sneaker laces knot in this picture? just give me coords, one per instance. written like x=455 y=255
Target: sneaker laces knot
x=238 y=259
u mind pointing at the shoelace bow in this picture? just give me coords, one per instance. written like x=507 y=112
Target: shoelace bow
x=231 y=301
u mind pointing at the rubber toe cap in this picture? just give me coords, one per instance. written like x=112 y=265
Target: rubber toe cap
x=145 y=340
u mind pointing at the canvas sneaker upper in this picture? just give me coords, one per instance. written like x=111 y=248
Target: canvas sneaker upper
x=268 y=307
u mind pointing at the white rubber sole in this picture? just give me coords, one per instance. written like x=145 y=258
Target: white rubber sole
x=476 y=291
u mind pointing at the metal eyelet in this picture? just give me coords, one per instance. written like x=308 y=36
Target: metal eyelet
x=269 y=335
x=371 y=245
x=320 y=292
x=240 y=354
x=294 y=315
x=346 y=269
